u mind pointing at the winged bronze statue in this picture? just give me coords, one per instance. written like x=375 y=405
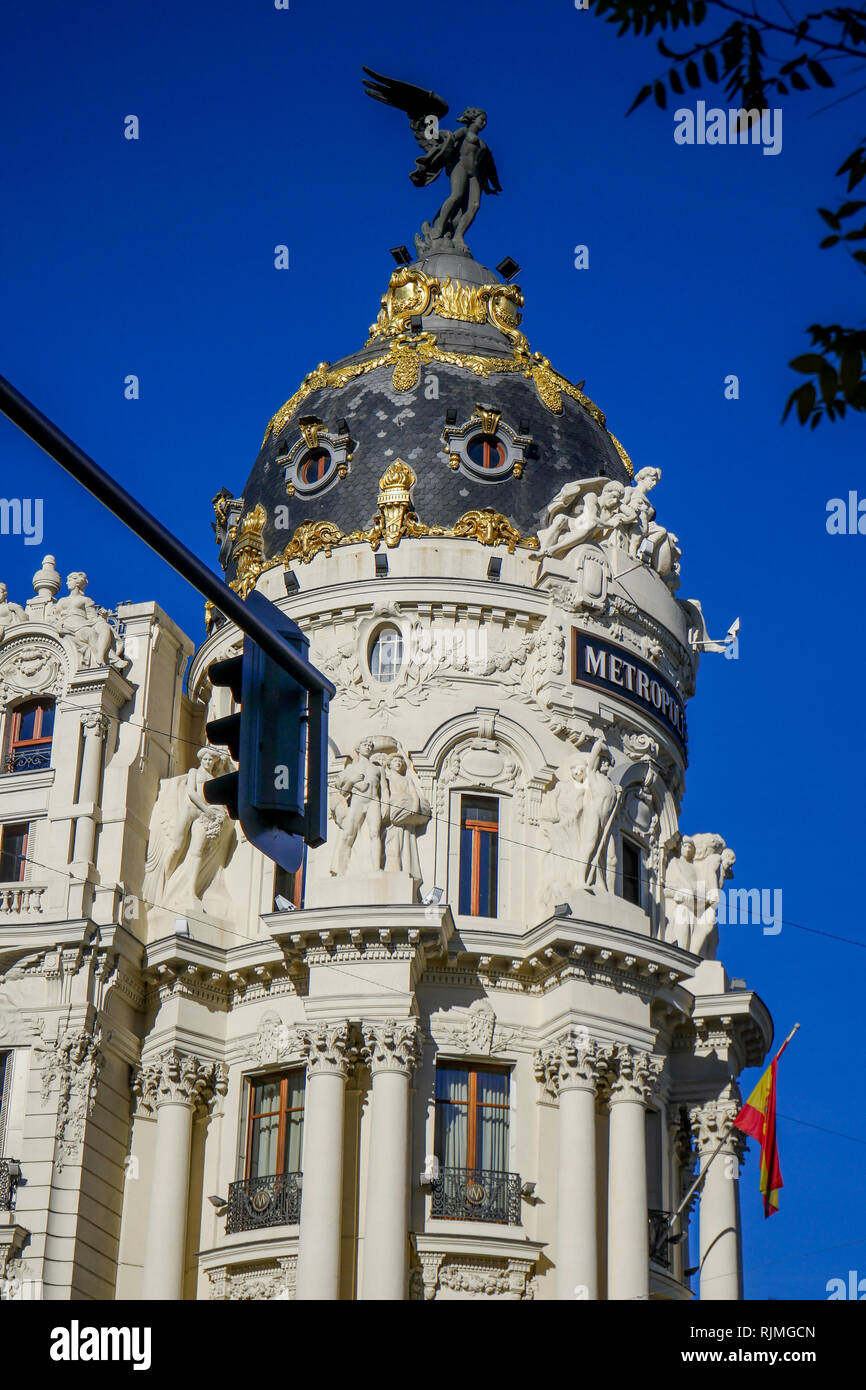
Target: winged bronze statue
x=461 y=153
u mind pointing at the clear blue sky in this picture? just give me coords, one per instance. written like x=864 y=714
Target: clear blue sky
x=156 y=258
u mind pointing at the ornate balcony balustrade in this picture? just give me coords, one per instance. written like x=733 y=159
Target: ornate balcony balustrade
x=476 y=1194
x=258 y=1202
x=661 y=1239
x=10 y=1173
x=29 y=759
x=20 y=897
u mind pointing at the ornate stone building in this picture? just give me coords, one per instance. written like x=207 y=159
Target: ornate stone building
x=478 y=1046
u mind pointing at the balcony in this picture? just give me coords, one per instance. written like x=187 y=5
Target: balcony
x=29 y=759
x=256 y=1203
x=10 y=1173
x=476 y=1194
x=661 y=1239
x=20 y=898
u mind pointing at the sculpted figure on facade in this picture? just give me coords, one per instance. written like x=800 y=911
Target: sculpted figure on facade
x=604 y=512
x=377 y=806
x=77 y=616
x=11 y=614
x=693 y=883
x=578 y=824
x=71 y=1061
x=190 y=841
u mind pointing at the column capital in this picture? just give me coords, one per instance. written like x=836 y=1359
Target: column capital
x=94 y=723
x=713 y=1120
x=392 y=1046
x=573 y=1061
x=328 y=1048
x=178 y=1078
x=636 y=1075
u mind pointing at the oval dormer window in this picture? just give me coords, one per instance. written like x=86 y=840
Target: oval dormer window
x=487 y=452
x=314 y=470
x=386 y=654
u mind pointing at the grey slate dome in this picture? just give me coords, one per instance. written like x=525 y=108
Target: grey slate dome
x=447 y=384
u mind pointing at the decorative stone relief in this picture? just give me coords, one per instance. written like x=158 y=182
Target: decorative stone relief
x=713 y=1121
x=392 y=1046
x=378 y=808
x=93 y=632
x=577 y=818
x=176 y=1077
x=274 y=1041
x=476 y=1033
x=263 y=1282
x=190 y=842
x=636 y=1074
x=693 y=880
x=328 y=1047
x=487 y=1277
x=573 y=1059
x=71 y=1062
x=615 y=517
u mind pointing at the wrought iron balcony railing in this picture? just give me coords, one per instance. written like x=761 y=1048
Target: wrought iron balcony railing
x=476 y=1194
x=10 y=1173
x=660 y=1238
x=29 y=759
x=258 y=1202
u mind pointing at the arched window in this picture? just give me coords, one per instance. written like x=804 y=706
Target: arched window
x=30 y=734
x=386 y=654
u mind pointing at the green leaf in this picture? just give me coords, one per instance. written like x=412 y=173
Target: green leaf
x=699 y=13
x=829 y=383
x=661 y=96
x=676 y=82
x=799 y=81
x=829 y=241
x=829 y=217
x=808 y=362
x=710 y=66
x=851 y=371
x=848 y=208
x=693 y=77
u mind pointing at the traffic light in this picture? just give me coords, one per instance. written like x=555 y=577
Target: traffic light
x=279 y=739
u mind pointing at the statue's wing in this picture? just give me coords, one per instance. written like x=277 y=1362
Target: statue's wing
x=404 y=96
x=488 y=175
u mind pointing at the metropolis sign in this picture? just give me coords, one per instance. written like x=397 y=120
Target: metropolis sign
x=604 y=666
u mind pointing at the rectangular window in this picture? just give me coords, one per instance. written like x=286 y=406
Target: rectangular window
x=289 y=886
x=13 y=852
x=275 y=1125
x=472 y=1116
x=479 y=856
x=631 y=875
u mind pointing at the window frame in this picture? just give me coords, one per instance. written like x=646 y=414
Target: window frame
x=41 y=703
x=284 y=1112
x=390 y=628
x=627 y=843
x=472 y=1104
x=5 y=826
x=478 y=827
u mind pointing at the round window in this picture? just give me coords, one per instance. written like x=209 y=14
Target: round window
x=486 y=451
x=386 y=654
x=314 y=466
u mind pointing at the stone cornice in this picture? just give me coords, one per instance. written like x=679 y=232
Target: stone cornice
x=738 y=1020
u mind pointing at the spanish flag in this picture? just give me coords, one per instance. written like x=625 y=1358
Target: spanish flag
x=758 y=1118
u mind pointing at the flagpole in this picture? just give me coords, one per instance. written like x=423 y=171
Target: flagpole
x=718 y=1149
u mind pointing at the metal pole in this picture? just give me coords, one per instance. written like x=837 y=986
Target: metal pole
x=124 y=506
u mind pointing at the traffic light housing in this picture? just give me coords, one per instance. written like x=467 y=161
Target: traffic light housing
x=279 y=740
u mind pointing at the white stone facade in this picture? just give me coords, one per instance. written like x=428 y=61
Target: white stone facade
x=146 y=981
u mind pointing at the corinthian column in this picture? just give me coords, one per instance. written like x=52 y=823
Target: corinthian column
x=571 y=1068
x=95 y=727
x=628 y=1217
x=330 y=1058
x=719 y=1198
x=391 y=1051
x=175 y=1086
